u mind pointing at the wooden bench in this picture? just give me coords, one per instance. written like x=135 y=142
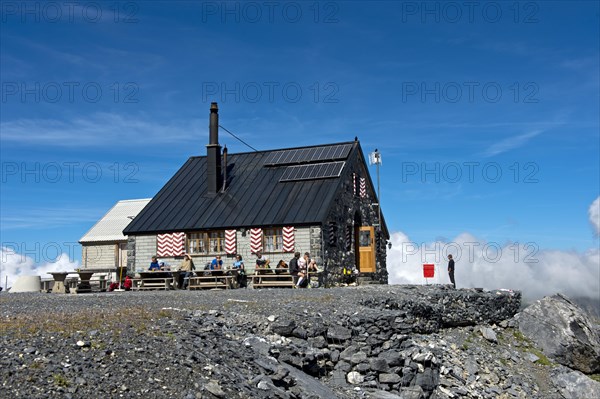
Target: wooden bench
x=98 y=283
x=155 y=281
x=208 y=281
x=135 y=284
x=268 y=278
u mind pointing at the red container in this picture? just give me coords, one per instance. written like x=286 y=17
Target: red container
x=428 y=270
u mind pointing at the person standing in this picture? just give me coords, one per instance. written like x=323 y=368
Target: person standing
x=302 y=271
x=293 y=267
x=451 y=270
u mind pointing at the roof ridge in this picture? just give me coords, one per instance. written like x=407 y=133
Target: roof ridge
x=282 y=149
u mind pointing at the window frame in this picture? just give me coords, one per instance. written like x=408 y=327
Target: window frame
x=272 y=240
x=213 y=241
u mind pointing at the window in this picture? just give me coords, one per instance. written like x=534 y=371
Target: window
x=273 y=240
x=205 y=243
x=364 y=238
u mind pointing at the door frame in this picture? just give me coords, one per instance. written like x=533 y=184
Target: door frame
x=365 y=254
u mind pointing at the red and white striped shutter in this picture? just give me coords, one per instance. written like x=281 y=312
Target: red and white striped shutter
x=288 y=239
x=178 y=243
x=170 y=244
x=332 y=233
x=164 y=245
x=256 y=240
x=348 y=237
x=230 y=242
x=363 y=187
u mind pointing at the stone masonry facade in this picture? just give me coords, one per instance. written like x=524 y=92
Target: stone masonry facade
x=348 y=212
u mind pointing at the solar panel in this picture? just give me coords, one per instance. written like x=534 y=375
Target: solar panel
x=312 y=171
x=307 y=155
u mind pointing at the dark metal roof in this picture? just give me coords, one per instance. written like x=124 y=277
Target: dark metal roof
x=254 y=196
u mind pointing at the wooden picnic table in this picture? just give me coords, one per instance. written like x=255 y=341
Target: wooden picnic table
x=265 y=277
x=212 y=279
x=155 y=280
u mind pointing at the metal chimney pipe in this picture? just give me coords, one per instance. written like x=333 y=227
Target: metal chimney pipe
x=214 y=124
x=213 y=153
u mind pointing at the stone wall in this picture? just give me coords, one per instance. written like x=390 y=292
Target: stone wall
x=349 y=211
x=131 y=253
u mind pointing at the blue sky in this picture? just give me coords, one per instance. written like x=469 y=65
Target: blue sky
x=486 y=115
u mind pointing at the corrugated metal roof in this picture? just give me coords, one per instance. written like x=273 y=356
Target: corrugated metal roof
x=254 y=197
x=110 y=227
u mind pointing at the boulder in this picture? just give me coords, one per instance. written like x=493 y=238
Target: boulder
x=354 y=377
x=389 y=378
x=379 y=364
x=574 y=384
x=563 y=331
x=489 y=334
x=412 y=393
x=379 y=394
x=284 y=328
x=338 y=333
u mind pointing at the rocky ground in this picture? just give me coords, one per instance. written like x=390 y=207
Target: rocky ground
x=386 y=342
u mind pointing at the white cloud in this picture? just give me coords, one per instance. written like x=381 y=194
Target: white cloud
x=14 y=265
x=524 y=267
x=594 y=213
x=510 y=143
x=99 y=129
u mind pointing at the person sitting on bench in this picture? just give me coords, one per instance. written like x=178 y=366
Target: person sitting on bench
x=261 y=261
x=281 y=267
x=217 y=263
x=241 y=273
x=154 y=266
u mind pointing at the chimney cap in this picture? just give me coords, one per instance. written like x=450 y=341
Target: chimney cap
x=214 y=106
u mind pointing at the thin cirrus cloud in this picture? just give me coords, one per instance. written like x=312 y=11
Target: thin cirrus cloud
x=510 y=143
x=99 y=129
x=47 y=218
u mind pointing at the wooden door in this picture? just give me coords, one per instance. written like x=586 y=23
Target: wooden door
x=366 y=249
